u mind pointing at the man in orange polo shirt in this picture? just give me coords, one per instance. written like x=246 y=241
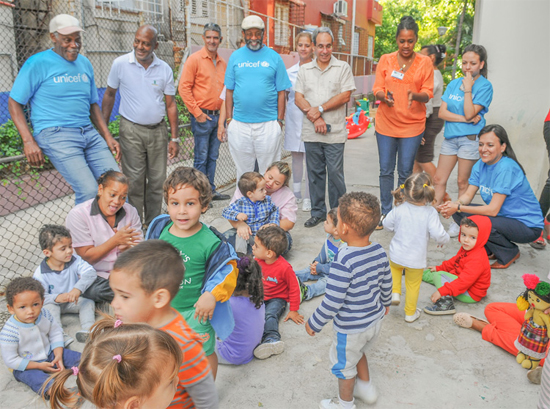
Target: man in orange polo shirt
x=200 y=87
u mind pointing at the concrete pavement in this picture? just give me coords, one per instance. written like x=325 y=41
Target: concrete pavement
x=431 y=363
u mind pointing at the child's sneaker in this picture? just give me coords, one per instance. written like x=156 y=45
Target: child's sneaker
x=366 y=391
x=333 y=403
x=414 y=317
x=82 y=336
x=395 y=299
x=67 y=340
x=269 y=348
x=303 y=290
x=443 y=306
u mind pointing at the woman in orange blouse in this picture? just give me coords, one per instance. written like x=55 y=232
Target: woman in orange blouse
x=404 y=83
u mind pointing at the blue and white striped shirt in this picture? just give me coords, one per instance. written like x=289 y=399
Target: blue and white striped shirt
x=359 y=288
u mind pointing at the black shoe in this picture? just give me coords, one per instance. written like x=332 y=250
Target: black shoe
x=219 y=196
x=314 y=221
x=443 y=306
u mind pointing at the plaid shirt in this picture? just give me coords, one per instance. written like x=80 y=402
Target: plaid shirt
x=259 y=213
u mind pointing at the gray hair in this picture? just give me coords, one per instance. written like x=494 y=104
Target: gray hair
x=212 y=27
x=321 y=30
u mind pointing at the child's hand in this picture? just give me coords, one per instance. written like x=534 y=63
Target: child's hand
x=436 y=296
x=313 y=268
x=73 y=295
x=387 y=310
x=433 y=268
x=204 y=307
x=58 y=359
x=46 y=367
x=242 y=217
x=62 y=298
x=309 y=330
x=294 y=316
x=244 y=232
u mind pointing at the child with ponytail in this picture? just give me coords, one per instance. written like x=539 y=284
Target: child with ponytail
x=414 y=221
x=247 y=304
x=122 y=366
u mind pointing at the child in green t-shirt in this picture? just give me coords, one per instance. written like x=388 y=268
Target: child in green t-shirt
x=210 y=262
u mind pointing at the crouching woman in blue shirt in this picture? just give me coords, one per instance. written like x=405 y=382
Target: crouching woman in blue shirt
x=509 y=200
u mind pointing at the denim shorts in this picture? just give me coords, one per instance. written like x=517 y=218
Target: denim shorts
x=462 y=147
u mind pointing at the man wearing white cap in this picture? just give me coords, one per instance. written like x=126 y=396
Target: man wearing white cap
x=59 y=85
x=256 y=81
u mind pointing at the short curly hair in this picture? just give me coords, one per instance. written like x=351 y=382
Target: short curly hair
x=185 y=176
x=360 y=211
x=20 y=285
x=273 y=238
x=50 y=234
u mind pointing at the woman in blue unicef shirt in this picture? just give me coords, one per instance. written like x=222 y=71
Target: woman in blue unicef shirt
x=463 y=106
x=510 y=203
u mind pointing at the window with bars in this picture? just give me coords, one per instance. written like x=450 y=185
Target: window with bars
x=149 y=6
x=282 y=30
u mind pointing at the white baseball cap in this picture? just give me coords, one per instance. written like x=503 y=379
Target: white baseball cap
x=65 y=24
x=253 y=22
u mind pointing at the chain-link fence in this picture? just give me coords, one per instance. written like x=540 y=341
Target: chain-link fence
x=31 y=197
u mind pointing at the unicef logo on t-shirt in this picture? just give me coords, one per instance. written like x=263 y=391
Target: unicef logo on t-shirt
x=265 y=64
x=71 y=78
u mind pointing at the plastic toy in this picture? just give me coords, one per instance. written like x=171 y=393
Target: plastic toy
x=532 y=341
x=357 y=124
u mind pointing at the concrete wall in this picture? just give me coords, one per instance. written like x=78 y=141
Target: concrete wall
x=516 y=34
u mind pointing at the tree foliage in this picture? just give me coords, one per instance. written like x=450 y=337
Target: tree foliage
x=429 y=14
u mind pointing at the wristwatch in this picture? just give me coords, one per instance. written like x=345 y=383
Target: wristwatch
x=281 y=121
x=321 y=110
x=174 y=139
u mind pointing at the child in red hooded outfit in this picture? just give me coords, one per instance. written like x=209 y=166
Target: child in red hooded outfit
x=466 y=276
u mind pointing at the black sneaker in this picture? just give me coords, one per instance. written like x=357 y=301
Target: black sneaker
x=443 y=306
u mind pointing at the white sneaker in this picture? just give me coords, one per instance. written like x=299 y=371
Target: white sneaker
x=333 y=403
x=67 y=340
x=367 y=394
x=413 y=318
x=395 y=299
x=298 y=200
x=267 y=349
x=306 y=205
x=454 y=229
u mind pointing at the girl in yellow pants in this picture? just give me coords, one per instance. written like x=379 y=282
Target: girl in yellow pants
x=414 y=222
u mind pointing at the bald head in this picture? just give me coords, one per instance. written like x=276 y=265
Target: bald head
x=145 y=43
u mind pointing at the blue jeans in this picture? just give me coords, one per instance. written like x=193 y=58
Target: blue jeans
x=274 y=309
x=80 y=155
x=35 y=378
x=313 y=289
x=388 y=149
x=207 y=146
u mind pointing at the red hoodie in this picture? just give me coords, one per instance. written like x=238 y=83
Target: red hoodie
x=472 y=267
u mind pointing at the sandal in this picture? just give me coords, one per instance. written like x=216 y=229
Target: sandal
x=465 y=320
x=539 y=243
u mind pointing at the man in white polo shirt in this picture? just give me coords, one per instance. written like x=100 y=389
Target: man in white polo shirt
x=144 y=81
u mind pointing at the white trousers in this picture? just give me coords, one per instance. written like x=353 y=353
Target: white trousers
x=250 y=142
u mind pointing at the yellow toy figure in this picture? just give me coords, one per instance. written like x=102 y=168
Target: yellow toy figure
x=532 y=341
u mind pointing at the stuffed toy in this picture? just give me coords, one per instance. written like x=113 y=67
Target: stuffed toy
x=532 y=341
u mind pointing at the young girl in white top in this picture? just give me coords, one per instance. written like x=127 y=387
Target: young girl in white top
x=414 y=221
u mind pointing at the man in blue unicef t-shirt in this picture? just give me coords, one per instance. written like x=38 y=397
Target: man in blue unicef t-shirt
x=59 y=84
x=256 y=81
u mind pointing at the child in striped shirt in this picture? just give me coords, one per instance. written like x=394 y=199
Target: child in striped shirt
x=358 y=296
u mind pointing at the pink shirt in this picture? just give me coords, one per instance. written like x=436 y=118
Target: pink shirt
x=93 y=230
x=283 y=198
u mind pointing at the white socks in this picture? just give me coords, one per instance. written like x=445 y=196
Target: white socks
x=345 y=404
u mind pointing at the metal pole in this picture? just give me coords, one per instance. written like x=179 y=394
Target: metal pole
x=353 y=35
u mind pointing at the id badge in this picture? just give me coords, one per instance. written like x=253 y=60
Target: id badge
x=398 y=74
